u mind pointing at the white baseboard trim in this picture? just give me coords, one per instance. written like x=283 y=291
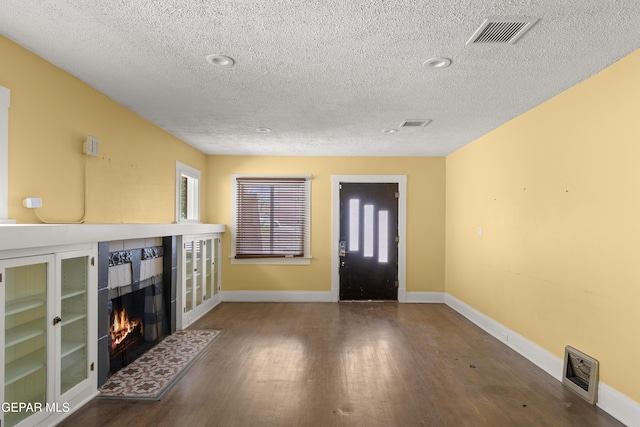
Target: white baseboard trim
x=277 y=296
x=619 y=406
x=539 y=356
x=316 y=296
x=425 y=297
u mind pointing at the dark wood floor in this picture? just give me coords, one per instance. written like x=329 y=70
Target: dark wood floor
x=352 y=364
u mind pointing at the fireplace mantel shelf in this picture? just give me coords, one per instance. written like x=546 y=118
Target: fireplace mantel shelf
x=23 y=236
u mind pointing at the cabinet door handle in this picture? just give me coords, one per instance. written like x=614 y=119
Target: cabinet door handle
x=57 y=320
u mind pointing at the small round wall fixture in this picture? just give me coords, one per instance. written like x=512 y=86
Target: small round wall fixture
x=437 y=62
x=263 y=130
x=220 y=60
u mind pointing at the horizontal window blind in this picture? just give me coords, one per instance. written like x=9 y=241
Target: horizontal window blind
x=271 y=217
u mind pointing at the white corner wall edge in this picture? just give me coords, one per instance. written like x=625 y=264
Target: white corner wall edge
x=5 y=101
x=610 y=400
x=277 y=296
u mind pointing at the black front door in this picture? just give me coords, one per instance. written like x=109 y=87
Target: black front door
x=368 y=241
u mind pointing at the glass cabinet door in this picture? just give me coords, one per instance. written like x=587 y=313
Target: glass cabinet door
x=214 y=267
x=74 y=274
x=208 y=270
x=198 y=277
x=189 y=275
x=198 y=273
x=25 y=335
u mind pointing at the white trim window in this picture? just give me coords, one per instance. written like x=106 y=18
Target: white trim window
x=271 y=219
x=187 y=193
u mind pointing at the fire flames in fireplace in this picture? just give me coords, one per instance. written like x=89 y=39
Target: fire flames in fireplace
x=122 y=326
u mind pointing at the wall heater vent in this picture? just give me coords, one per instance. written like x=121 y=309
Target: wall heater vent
x=580 y=374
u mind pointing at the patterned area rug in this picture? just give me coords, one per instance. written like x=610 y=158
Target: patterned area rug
x=151 y=375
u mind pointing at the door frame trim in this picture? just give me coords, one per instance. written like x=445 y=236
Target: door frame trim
x=401 y=180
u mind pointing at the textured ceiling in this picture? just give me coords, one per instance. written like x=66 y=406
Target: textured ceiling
x=326 y=76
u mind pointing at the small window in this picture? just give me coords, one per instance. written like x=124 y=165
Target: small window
x=187 y=193
x=271 y=216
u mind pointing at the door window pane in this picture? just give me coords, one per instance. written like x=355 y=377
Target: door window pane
x=354 y=225
x=368 y=230
x=383 y=236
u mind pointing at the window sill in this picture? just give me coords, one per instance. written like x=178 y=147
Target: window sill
x=272 y=261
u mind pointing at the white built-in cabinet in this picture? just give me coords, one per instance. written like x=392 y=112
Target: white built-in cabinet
x=48 y=315
x=199 y=273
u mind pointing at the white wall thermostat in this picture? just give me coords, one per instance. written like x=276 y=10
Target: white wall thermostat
x=90 y=146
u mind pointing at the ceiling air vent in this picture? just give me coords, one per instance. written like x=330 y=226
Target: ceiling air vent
x=415 y=123
x=502 y=30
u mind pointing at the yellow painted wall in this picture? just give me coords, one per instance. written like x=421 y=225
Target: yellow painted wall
x=131 y=181
x=557 y=193
x=425 y=217
x=133 y=178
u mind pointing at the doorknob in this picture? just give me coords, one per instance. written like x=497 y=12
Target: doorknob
x=342 y=251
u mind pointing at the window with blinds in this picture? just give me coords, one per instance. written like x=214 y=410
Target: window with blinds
x=271 y=217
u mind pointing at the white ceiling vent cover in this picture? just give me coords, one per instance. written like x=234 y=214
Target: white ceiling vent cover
x=502 y=30
x=414 y=123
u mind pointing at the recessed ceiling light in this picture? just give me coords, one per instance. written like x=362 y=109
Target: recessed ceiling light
x=220 y=60
x=389 y=130
x=263 y=130
x=437 y=62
